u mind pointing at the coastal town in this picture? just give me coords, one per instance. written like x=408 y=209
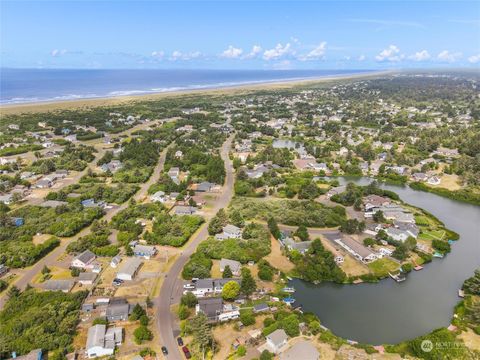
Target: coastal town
x=173 y=227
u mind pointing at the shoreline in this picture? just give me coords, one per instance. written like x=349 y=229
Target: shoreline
x=84 y=103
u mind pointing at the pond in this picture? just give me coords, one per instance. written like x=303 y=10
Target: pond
x=390 y=312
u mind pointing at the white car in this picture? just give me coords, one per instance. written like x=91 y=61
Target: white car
x=189 y=286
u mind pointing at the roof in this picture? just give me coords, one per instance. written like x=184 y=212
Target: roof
x=96 y=336
x=144 y=249
x=278 y=337
x=130 y=266
x=85 y=257
x=232 y=229
x=53 y=203
x=208 y=283
x=233 y=264
x=302 y=350
x=58 y=285
x=85 y=276
x=210 y=306
x=32 y=355
x=261 y=307
x=358 y=248
x=118 y=310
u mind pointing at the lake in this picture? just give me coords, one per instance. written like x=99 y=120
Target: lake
x=390 y=312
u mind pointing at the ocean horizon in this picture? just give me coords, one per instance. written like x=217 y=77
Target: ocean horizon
x=20 y=86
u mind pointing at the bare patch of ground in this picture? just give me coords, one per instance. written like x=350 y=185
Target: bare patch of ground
x=277 y=259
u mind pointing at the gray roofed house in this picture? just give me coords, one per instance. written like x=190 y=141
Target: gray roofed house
x=211 y=307
x=32 y=355
x=229 y=232
x=359 y=251
x=144 y=251
x=53 y=203
x=235 y=266
x=87 y=278
x=184 y=210
x=204 y=186
x=119 y=310
x=412 y=229
x=59 y=285
x=277 y=340
x=83 y=260
x=129 y=269
x=102 y=342
x=260 y=308
x=303 y=350
x=210 y=286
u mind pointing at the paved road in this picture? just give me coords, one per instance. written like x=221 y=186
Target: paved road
x=172 y=287
x=51 y=259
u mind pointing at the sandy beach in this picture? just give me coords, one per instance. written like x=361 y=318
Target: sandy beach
x=11 y=109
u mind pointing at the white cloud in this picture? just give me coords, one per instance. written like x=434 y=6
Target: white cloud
x=282 y=65
x=474 y=59
x=178 y=55
x=447 y=56
x=277 y=52
x=256 y=50
x=232 y=52
x=392 y=53
x=420 y=56
x=58 y=52
x=362 y=58
x=158 y=54
x=317 y=53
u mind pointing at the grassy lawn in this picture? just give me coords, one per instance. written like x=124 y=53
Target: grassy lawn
x=382 y=267
x=432 y=235
x=422 y=220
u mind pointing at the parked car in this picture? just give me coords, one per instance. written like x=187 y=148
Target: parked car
x=164 y=350
x=180 y=341
x=186 y=352
x=189 y=286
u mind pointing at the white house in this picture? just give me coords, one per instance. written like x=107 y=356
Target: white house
x=129 y=269
x=102 y=342
x=230 y=232
x=277 y=340
x=210 y=286
x=84 y=261
x=159 y=196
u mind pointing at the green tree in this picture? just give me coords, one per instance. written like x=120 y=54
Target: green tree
x=290 y=324
x=237 y=219
x=248 y=285
x=201 y=333
x=230 y=290
x=302 y=233
x=273 y=227
x=241 y=351
x=247 y=318
x=266 y=355
x=137 y=313
x=227 y=272
x=183 y=312
x=188 y=299
x=142 y=333
x=144 y=320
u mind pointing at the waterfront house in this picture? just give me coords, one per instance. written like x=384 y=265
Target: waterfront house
x=215 y=310
x=210 y=286
x=260 y=308
x=302 y=350
x=277 y=340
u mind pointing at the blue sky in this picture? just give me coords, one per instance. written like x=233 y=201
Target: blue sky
x=240 y=35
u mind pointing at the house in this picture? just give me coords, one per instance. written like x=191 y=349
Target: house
x=434 y=180
x=358 y=251
x=184 y=210
x=88 y=307
x=302 y=350
x=399 y=216
x=144 y=251
x=159 y=196
x=83 y=261
x=230 y=232
x=115 y=261
x=397 y=234
x=174 y=172
x=129 y=269
x=178 y=154
x=260 y=308
x=3 y=270
x=6 y=199
x=102 y=342
x=118 y=310
x=317 y=166
x=87 y=278
x=112 y=166
x=335 y=191
x=375 y=201
x=210 y=286
x=411 y=229
x=43 y=184
x=419 y=176
x=204 y=186
x=216 y=310
x=235 y=266
x=90 y=203
x=277 y=340
x=53 y=203
x=32 y=355
x=59 y=285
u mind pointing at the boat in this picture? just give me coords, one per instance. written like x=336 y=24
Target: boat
x=438 y=255
x=287 y=289
x=418 y=268
x=289 y=300
x=289 y=278
x=398 y=277
x=461 y=293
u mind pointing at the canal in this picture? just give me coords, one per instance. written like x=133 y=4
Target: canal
x=390 y=312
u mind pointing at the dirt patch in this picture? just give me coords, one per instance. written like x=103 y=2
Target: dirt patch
x=277 y=259
x=450 y=182
x=215 y=272
x=471 y=340
x=40 y=239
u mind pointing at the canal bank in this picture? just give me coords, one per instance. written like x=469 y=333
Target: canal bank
x=390 y=312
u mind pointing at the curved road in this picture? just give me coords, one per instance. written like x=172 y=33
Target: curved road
x=172 y=287
x=51 y=258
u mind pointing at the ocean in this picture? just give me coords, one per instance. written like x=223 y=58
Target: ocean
x=39 y=85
